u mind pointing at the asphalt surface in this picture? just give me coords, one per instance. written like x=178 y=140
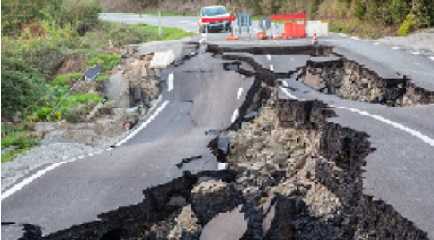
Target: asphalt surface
x=204 y=97
x=400 y=170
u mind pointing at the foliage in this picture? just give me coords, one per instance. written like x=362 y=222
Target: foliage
x=106 y=60
x=21 y=86
x=83 y=14
x=122 y=34
x=407 y=26
x=66 y=79
x=359 y=9
x=17 y=139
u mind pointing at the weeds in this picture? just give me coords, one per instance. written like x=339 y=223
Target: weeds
x=35 y=46
x=15 y=140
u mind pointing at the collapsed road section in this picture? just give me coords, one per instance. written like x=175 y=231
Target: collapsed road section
x=351 y=80
x=292 y=174
x=330 y=72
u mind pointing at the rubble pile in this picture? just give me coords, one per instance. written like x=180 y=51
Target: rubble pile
x=143 y=80
x=350 y=80
x=293 y=174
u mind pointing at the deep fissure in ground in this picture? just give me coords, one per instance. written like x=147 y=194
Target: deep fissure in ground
x=292 y=175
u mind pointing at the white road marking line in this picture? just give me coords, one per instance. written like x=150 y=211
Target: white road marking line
x=415 y=52
x=234 y=115
x=17 y=187
x=377 y=43
x=396 y=48
x=170 y=82
x=268 y=57
x=30 y=179
x=222 y=166
x=144 y=124
x=284 y=90
x=240 y=93
x=272 y=67
x=379 y=118
x=396 y=125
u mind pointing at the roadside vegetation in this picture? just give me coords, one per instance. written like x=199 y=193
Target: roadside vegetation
x=47 y=45
x=369 y=18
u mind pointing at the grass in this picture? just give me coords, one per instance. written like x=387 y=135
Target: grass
x=57 y=100
x=66 y=79
x=107 y=60
x=17 y=139
x=356 y=27
x=118 y=35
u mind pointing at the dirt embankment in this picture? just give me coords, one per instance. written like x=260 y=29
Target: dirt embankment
x=292 y=175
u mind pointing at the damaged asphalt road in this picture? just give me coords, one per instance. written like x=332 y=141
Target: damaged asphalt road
x=101 y=195
x=204 y=97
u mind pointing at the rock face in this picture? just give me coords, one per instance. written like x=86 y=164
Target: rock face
x=318 y=191
x=187 y=226
x=212 y=197
x=350 y=80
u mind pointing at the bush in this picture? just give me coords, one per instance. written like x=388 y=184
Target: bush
x=408 y=25
x=21 y=86
x=359 y=9
x=16 y=138
x=121 y=34
x=82 y=14
x=107 y=60
x=66 y=79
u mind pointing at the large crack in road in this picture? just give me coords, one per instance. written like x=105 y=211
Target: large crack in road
x=351 y=80
x=292 y=174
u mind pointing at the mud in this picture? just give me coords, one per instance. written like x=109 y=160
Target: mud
x=293 y=174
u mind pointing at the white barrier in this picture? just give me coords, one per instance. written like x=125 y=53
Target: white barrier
x=320 y=28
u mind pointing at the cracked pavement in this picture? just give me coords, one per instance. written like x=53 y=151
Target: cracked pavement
x=204 y=97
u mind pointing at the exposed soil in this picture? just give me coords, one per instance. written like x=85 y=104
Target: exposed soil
x=293 y=174
x=350 y=80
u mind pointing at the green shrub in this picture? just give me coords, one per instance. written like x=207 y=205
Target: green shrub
x=83 y=14
x=16 y=138
x=107 y=60
x=21 y=86
x=121 y=34
x=359 y=9
x=407 y=26
x=102 y=77
x=66 y=79
x=44 y=113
